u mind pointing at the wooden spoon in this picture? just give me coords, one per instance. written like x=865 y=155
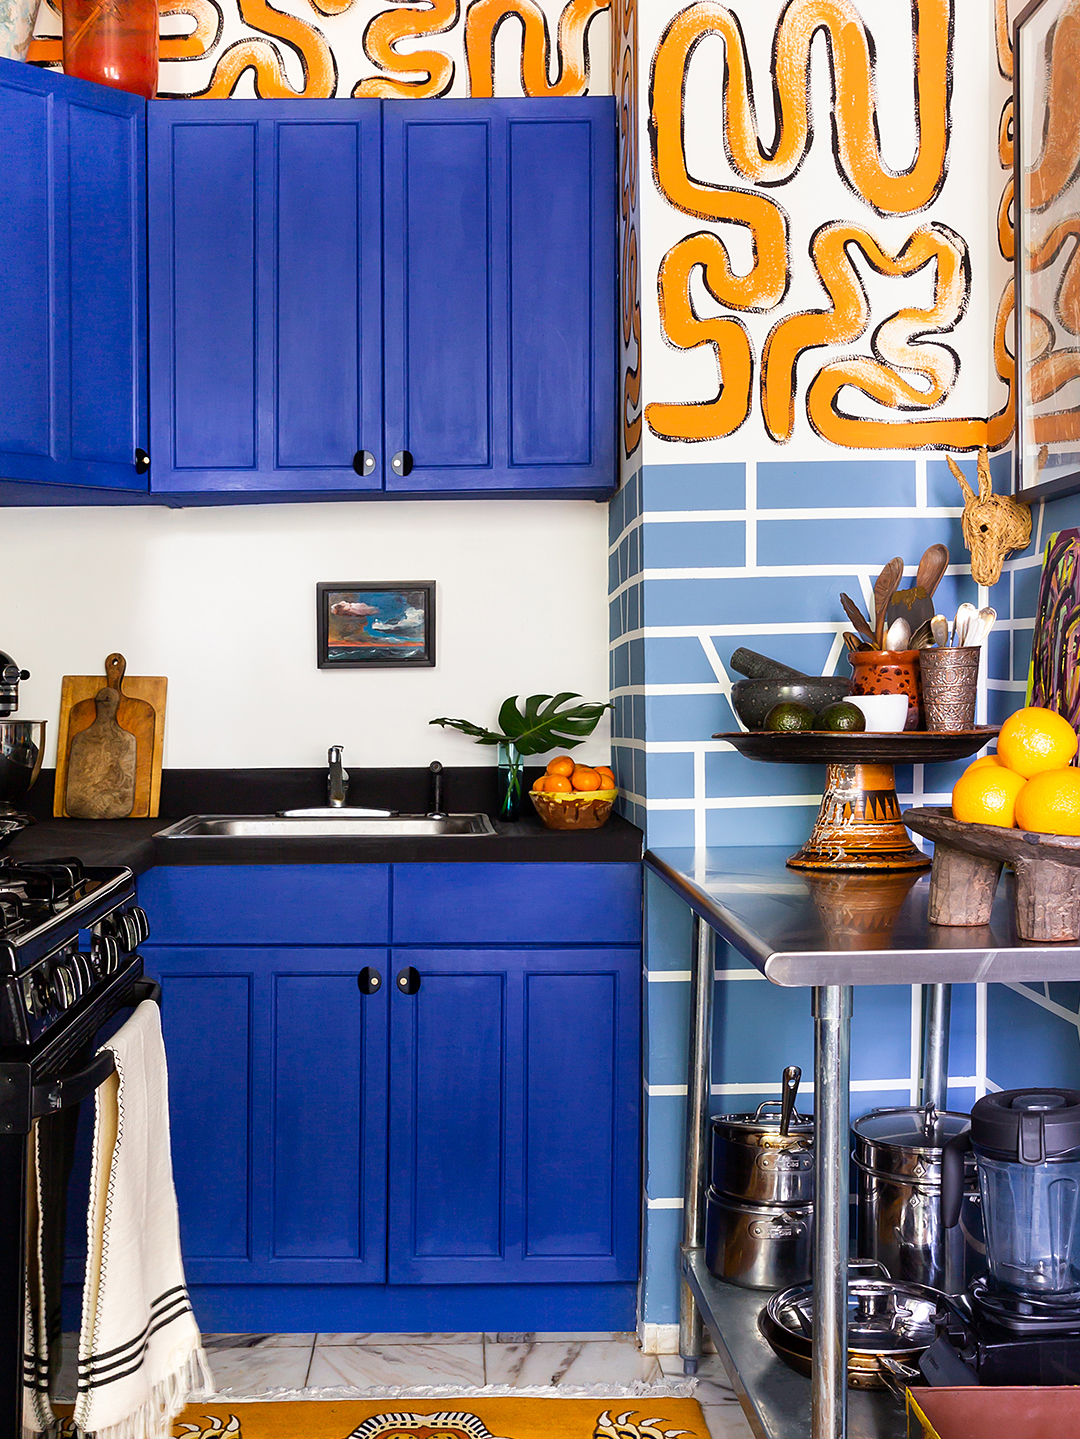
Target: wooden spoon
x=885 y=586
x=932 y=566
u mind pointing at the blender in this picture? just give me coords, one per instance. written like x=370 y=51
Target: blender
x=22 y=748
x=1025 y=1311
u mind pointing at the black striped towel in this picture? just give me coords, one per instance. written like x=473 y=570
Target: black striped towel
x=140 y=1352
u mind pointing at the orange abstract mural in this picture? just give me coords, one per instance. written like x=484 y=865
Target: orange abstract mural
x=864 y=377
x=318 y=49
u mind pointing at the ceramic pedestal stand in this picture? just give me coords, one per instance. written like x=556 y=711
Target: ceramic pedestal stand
x=968 y=860
x=859 y=824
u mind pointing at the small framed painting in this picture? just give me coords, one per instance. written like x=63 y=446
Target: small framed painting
x=376 y=625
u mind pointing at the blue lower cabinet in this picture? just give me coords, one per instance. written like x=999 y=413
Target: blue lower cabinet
x=277 y=1097
x=455 y=1148
x=514 y=1116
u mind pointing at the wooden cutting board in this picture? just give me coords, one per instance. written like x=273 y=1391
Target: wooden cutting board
x=141 y=712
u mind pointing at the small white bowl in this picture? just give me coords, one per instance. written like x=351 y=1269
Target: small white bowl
x=884 y=714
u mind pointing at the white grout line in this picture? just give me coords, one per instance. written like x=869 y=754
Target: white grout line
x=770 y=1086
x=916 y=1040
x=980 y=1041
x=699 y=800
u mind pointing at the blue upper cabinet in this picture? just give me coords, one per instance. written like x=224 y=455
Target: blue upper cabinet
x=358 y=296
x=265 y=296
x=72 y=308
x=499 y=255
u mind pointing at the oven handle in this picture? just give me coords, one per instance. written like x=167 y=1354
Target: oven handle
x=61 y=1093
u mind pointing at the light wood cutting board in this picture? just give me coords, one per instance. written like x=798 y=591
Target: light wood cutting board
x=141 y=712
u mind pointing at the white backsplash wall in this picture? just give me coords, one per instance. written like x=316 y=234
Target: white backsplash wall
x=222 y=601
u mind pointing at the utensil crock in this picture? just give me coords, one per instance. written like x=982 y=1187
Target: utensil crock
x=889 y=672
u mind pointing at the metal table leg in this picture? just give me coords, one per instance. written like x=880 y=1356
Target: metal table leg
x=702 y=980
x=832 y=1044
x=937 y=1012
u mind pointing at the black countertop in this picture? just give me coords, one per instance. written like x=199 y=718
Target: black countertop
x=185 y=792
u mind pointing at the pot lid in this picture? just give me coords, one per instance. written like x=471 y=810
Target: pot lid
x=918 y=1130
x=885 y=1316
x=766 y=1120
x=1028 y=1125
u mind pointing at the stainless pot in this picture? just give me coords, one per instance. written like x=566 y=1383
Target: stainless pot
x=757 y=1246
x=898 y=1219
x=889 y=1324
x=753 y=1162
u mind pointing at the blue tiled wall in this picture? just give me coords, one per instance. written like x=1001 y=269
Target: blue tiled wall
x=705 y=558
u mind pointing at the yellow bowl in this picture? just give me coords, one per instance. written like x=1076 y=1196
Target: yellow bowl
x=584 y=810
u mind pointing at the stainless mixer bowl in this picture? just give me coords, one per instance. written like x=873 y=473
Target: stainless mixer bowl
x=22 y=748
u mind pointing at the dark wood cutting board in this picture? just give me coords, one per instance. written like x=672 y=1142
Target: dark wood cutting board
x=141 y=713
x=101 y=765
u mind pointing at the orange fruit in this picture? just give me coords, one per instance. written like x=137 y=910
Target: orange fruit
x=586 y=779
x=557 y=784
x=982 y=763
x=1050 y=802
x=987 y=796
x=561 y=764
x=539 y=784
x=606 y=775
x=1035 y=739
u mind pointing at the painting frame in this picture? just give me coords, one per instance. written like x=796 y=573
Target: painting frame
x=402 y=637
x=1044 y=467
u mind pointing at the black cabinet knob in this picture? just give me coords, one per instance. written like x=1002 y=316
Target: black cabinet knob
x=402 y=463
x=369 y=980
x=142 y=462
x=408 y=980
x=363 y=462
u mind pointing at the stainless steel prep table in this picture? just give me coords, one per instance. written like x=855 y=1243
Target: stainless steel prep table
x=767 y=912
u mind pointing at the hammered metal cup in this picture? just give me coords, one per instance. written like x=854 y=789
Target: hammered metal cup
x=950 y=679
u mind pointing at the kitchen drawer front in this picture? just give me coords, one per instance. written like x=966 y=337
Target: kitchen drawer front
x=267 y=904
x=517 y=904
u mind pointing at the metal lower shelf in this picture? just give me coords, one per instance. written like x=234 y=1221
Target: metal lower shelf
x=775 y=1399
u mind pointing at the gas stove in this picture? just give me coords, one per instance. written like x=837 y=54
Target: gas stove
x=66 y=933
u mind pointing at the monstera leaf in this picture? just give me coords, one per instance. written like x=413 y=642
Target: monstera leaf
x=540 y=726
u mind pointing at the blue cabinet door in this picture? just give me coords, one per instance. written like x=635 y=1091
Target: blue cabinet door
x=72 y=303
x=514 y=1117
x=277 y=1101
x=265 y=297
x=499 y=255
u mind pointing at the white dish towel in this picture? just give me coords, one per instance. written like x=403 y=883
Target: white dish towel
x=140 y=1351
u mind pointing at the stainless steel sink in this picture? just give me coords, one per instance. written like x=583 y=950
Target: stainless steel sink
x=270 y=826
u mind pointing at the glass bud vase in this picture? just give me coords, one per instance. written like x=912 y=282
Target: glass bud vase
x=510 y=775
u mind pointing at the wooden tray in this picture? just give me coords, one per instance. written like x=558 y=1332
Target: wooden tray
x=141 y=713
x=860 y=747
x=968 y=860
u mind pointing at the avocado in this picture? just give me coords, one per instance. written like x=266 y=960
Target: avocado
x=790 y=718
x=841 y=717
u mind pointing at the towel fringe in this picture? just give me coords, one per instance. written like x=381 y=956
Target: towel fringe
x=191 y=1379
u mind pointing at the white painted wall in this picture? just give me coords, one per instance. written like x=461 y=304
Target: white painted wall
x=222 y=601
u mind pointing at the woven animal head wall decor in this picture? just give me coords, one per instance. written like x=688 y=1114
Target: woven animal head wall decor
x=993 y=525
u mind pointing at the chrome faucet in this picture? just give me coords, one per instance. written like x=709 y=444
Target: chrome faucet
x=337 y=781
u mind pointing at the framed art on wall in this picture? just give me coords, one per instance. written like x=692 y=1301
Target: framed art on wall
x=375 y=625
x=1047 y=223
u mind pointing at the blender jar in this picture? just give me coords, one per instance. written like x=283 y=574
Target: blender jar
x=1027 y=1150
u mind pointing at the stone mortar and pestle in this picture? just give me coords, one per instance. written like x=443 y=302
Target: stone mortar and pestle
x=768 y=683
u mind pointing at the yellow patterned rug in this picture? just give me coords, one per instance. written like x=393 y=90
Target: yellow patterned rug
x=526 y=1418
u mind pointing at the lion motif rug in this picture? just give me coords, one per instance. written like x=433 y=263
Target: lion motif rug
x=526 y=1418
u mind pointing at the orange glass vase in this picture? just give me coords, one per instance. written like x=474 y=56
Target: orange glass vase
x=113 y=42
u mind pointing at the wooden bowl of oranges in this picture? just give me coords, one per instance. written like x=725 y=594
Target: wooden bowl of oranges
x=569 y=795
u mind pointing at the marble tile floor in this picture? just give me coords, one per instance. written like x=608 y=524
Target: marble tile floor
x=247 y=1363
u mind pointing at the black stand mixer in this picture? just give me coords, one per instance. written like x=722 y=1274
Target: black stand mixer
x=22 y=748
